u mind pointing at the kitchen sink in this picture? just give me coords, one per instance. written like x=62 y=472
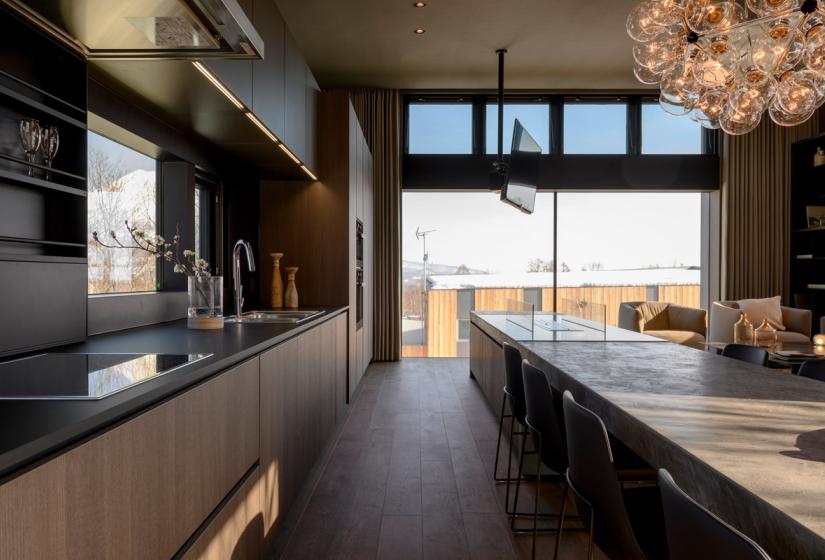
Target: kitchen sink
x=274 y=316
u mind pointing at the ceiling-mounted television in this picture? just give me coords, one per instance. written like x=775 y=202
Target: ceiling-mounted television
x=519 y=189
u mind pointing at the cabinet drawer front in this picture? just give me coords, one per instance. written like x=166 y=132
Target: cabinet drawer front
x=237 y=530
x=141 y=489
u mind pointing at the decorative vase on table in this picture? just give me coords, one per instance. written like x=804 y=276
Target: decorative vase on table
x=765 y=335
x=291 y=292
x=743 y=330
x=205 y=302
x=276 y=293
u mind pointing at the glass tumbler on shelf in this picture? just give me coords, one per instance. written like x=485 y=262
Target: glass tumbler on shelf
x=205 y=302
x=49 y=143
x=30 y=138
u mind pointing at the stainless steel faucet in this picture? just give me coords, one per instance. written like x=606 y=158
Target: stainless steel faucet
x=236 y=271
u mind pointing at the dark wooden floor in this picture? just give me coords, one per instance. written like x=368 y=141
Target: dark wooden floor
x=411 y=476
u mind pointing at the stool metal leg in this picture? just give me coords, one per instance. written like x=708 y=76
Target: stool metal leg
x=561 y=520
x=498 y=444
x=536 y=504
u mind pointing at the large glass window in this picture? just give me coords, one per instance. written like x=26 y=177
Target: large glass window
x=440 y=128
x=595 y=128
x=535 y=117
x=479 y=253
x=122 y=187
x=667 y=134
x=616 y=247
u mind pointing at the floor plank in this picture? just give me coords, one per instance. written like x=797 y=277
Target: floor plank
x=411 y=476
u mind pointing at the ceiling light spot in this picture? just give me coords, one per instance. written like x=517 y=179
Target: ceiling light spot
x=419 y=4
x=419 y=31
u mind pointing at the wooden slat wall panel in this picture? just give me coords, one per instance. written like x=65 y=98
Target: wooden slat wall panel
x=441 y=323
x=610 y=296
x=495 y=299
x=687 y=296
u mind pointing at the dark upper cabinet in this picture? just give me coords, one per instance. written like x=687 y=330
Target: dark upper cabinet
x=268 y=74
x=312 y=92
x=237 y=74
x=295 y=136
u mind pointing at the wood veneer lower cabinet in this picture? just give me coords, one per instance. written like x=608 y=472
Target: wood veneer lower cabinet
x=487 y=365
x=236 y=531
x=303 y=388
x=143 y=488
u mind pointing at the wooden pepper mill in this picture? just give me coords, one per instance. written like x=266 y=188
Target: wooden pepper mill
x=291 y=293
x=276 y=293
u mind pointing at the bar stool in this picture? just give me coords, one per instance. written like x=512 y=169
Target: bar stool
x=694 y=532
x=545 y=423
x=600 y=489
x=513 y=395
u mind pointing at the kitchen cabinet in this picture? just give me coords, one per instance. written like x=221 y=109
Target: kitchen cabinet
x=486 y=364
x=295 y=133
x=313 y=91
x=237 y=74
x=314 y=225
x=300 y=396
x=208 y=473
x=236 y=531
x=269 y=74
x=141 y=489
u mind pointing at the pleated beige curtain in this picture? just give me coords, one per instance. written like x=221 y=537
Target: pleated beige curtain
x=379 y=111
x=756 y=217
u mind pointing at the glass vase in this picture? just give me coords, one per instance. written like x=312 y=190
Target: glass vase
x=205 y=302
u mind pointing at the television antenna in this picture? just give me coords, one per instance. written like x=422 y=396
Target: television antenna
x=422 y=235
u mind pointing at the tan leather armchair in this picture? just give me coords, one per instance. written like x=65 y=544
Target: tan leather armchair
x=724 y=314
x=682 y=325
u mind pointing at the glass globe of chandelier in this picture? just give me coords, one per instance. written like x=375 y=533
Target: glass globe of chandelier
x=726 y=63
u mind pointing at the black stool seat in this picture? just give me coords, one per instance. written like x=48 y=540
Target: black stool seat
x=694 y=532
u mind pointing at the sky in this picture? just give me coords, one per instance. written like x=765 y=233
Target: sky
x=617 y=230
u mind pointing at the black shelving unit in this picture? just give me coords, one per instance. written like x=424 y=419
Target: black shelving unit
x=43 y=211
x=807 y=256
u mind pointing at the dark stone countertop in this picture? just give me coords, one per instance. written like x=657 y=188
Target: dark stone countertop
x=32 y=430
x=747 y=442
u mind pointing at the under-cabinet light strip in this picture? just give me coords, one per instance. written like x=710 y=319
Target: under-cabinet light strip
x=289 y=153
x=217 y=83
x=308 y=172
x=251 y=116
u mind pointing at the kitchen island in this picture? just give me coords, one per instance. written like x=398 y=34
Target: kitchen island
x=746 y=441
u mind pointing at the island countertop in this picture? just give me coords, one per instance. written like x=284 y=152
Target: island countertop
x=747 y=442
x=33 y=429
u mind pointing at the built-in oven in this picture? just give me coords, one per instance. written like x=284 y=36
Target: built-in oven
x=359 y=274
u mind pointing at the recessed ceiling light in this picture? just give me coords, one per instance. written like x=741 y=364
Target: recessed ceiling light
x=419 y=31
x=419 y=4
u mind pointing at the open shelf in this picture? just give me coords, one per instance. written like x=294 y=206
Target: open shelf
x=40 y=107
x=40 y=242
x=13 y=257
x=41 y=166
x=22 y=178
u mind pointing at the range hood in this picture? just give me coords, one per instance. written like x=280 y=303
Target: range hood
x=146 y=29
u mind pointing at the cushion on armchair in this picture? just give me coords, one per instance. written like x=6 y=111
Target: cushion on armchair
x=758 y=310
x=653 y=316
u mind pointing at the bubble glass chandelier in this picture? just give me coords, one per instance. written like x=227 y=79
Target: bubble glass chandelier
x=725 y=63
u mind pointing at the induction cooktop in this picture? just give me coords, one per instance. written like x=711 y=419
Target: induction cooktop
x=66 y=376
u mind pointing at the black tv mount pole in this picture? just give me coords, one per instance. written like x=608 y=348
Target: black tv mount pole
x=500 y=166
